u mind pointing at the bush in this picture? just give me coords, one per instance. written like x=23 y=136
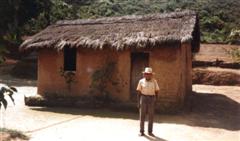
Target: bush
x=6 y=91
x=235 y=54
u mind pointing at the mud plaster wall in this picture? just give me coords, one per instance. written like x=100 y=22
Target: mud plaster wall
x=186 y=71
x=89 y=61
x=189 y=69
x=183 y=74
x=50 y=81
x=167 y=64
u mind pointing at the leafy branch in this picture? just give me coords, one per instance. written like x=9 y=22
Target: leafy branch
x=9 y=91
x=69 y=77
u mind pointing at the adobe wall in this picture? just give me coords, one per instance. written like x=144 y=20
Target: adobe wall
x=189 y=69
x=90 y=61
x=166 y=63
x=172 y=68
x=50 y=81
x=186 y=71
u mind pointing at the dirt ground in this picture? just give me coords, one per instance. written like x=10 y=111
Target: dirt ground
x=211 y=52
x=213 y=65
x=214 y=116
x=216 y=76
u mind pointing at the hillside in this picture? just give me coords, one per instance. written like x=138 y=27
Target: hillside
x=217 y=17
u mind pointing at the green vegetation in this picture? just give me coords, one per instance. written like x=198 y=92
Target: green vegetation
x=9 y=91
x=69 y=78
x=12 y=134
x=3 y=51
x=235 y=54
x=19 y=18
x=100 y=80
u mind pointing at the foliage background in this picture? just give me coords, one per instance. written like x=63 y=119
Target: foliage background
x=219 y=19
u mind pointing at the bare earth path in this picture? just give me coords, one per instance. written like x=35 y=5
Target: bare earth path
x=215 y=117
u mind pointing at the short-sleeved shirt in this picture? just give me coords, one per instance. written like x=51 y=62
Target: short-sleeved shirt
x=148 y=87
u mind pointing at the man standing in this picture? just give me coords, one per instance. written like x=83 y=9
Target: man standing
x=147 y=94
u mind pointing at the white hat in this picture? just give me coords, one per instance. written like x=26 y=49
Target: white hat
x=148 y=70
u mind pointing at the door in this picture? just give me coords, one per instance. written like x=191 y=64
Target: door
x=138 y=62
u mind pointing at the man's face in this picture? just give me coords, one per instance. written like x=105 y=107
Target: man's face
x=147 y=76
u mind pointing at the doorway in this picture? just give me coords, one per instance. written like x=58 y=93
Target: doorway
x=139 y=61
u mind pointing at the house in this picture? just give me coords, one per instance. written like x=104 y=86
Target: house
x=107 y=55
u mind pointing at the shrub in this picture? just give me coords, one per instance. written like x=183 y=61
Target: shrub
x=235 y=54
x=6 y=90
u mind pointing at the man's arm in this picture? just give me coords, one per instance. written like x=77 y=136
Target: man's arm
x=138 y=94
x=138 y=99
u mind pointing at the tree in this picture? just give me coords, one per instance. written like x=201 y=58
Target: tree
x=14 y=15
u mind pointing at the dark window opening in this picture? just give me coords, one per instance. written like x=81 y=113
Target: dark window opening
x=70 y=59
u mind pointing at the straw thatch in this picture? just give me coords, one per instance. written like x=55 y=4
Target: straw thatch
x=120 y=32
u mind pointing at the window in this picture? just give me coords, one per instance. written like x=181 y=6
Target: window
x=70 y=59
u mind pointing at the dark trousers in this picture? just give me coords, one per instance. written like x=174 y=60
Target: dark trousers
x=147 y=104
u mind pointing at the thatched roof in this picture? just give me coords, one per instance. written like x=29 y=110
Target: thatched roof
x=120 y=33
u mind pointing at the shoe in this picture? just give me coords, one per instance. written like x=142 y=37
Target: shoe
x=151 y=134
x=141 y=134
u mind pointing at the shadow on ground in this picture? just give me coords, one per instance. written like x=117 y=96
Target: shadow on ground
x=155 y=138
x=215 y=110
x=206 y=110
